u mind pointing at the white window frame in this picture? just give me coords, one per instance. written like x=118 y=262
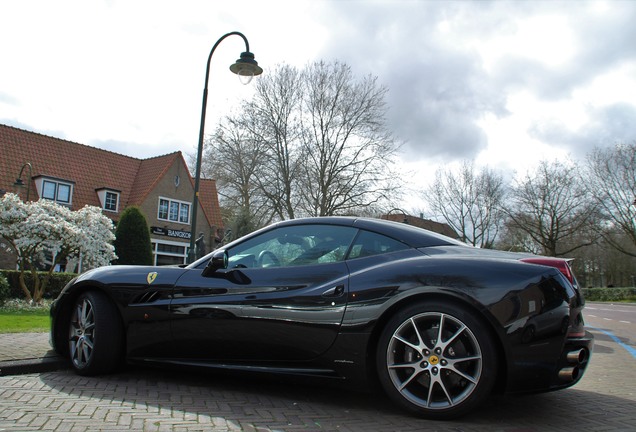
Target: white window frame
x=155 y=250
x=102 y=194
x=179 y=205
x=116 y=197
x=42 y=182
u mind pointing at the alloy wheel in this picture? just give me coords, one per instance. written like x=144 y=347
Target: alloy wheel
x=434 y=360
x=81 y=333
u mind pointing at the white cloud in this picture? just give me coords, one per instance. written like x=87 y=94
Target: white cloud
x=504 y=83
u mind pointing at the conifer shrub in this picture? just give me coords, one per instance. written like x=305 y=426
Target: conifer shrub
x=132 y=238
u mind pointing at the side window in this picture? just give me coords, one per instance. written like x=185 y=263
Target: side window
x=293 y=246
x=368 y=243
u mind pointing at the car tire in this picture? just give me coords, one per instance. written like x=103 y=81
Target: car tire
x=431 y=376
x=95 y=336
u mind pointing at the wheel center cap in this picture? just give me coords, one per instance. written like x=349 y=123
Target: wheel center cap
x=433 y=360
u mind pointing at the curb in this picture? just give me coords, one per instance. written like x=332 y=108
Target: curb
x=36 y=365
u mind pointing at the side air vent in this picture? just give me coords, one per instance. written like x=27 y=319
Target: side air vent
x=146 y=297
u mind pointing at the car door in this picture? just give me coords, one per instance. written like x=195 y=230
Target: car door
x=282 y=297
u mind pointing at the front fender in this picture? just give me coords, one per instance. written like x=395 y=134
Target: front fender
x=130 y=288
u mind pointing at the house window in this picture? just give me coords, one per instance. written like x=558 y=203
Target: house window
x=163 y=209
x=173 y=211
x=109 y=199
x=184 y=213
x=169 y=253
x=110 y=202
x=56 y=191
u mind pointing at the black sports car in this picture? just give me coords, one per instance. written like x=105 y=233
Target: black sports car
x=440 y=325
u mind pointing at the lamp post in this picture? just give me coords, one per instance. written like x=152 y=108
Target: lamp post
x=20 y=184
x=246 y=68
x=405 y=220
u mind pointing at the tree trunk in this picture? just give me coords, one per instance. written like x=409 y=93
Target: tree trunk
x=24 y=288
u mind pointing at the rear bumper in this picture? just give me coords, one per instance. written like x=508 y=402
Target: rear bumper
x=551 y=365
x=573 y=361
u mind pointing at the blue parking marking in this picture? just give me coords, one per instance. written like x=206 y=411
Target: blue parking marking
x=628 y=348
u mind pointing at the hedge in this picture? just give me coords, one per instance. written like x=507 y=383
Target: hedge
x=610 y=294
x=56 y=283
x=4 y=289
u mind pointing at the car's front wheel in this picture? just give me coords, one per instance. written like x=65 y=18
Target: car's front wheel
x=436 y=359
x=94 y=334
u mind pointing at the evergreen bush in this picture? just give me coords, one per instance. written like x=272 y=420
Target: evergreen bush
x=132 y=238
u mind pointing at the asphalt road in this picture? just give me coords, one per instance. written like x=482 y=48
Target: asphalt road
x=614 y=320
x=169 y=400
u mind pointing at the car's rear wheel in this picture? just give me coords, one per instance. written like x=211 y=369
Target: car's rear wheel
x=436 y=359
x=94 y=334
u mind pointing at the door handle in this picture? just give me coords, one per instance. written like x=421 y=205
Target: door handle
x=336 y=291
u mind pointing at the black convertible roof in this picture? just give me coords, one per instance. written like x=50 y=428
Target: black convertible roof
x=413 y=236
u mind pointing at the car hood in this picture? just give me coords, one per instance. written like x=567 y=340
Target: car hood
x=132 y=275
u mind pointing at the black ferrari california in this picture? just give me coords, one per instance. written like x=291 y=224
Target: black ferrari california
x=438 y=324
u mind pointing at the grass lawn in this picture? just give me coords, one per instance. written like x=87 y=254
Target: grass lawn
x=20 y=318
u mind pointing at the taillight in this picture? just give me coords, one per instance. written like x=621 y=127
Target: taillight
x=559 y=263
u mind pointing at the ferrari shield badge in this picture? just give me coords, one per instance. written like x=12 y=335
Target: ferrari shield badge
x=151 y=277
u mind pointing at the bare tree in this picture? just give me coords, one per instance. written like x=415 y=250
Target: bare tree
x=611 y=179
x=553 y=208
x=309 y=143
x=348 y=149
x=275 y=114
x=513 y=239
x=470 y=202
x=233 y=158
x=603 y=265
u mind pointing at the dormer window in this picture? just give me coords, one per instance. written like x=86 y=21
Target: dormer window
x=109 y=199
x=60 y=191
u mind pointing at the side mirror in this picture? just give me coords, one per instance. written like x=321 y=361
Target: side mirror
x=218 y=261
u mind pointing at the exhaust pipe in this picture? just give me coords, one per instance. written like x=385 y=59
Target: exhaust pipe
x=577 y=357
x=569 y=374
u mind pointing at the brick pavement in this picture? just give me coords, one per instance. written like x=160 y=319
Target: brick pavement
x=19 y=346
x=170 y=400
x=22 y=353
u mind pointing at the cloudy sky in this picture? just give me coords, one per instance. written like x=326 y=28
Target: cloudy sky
x=504 y=84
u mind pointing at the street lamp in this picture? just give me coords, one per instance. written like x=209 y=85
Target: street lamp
x=246 y=68
x=20 y=184
x=405 y=220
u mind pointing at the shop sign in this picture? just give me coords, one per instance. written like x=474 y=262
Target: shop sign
x=170 y=232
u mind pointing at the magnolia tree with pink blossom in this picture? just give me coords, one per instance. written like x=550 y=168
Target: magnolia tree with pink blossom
x=35 y=228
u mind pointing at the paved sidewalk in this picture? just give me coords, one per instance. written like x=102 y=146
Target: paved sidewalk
x=22 y=353
x=165 y=399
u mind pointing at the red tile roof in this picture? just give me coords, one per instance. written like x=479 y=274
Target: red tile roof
x=149 y=173
x=89 y=169
x=430 y=225
x=209 y=196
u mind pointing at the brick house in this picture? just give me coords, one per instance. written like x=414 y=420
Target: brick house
x=76 y=175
